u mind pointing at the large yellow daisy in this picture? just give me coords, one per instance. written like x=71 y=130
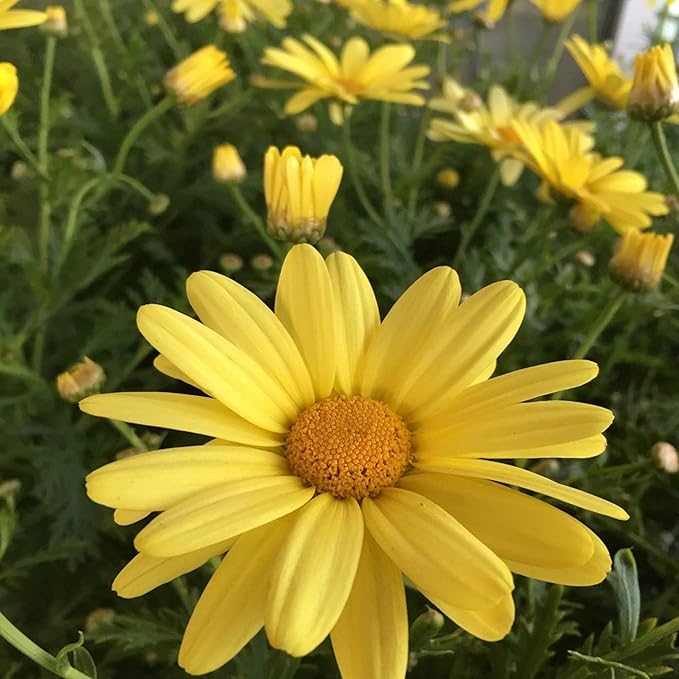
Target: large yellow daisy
x=347 y=452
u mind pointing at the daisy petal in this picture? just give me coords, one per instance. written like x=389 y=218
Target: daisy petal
x=522 y=478
x=145 y=573
x=21 y=18
x=370 y=639
x=159 y=479
x=242 y=318
x=126 y=517
x=231 y=609
x=219 y=513
x=181 y=412
x=435 y=551
x=162 y=365
x=306 y=306
x=359 y=316
x=515 y=526
x=402 y=341
x=320 y=554
x=221 y=369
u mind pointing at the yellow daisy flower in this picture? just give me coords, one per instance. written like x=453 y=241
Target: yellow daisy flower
x=655 y=90
x=494 y=11
x=639 y=260
x=555 y=10
x=235 y=14
x=383 y=75
x=348 y=451
x=563 y=158
x=18 y=18
x=397 y=17
x=487 y=124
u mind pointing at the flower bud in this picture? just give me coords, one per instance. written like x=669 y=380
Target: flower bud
x=199 y=75
x=443 y=209
x=425 y=627
x=655 y=91
x=448 y=178
x=9 y=86
x=307 y=122
x=97 y=617
x=18 y=170
x=261 y=262
x=151 y=18
x=227 y=165
x=299 y=191
x=665 y=457
x=584 y=218
x=160 y=203
x=639 y=259
x=82 y=379
x=555 y=10
x=585 y=257
x=232 y=17
x=230 y=262
x=56 y=23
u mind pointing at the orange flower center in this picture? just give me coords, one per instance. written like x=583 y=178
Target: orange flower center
x=349 y=446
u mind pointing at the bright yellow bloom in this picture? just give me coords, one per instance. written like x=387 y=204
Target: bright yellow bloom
x=199 y=75
x=18 y=18
x=640 y=259
x=194 y=10
x=348 y=452
x=494 y=11
x=81 y=379
x=9 y=86
x=299 y=191
x=235 y=15
x=397 y=17
x=606 y=80
x=563 y=158
x=56 y=22
x=555 y=10
x=227 y=165
x=488 y=124
x=655 y=90
x=357 y=74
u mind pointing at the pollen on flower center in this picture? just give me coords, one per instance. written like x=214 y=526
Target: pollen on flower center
x=349 y=446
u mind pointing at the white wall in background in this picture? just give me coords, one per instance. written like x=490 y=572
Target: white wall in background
x=636 y=23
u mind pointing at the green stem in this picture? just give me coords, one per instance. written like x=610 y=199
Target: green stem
x=165 y=29
x=555 y=58
x=107 y=14
x=243 y=204
x=600 y=324
x=22 y=147
x=350 y=154
x=131 y=137
x=43 y=157
x=385 y=142
x=593 y=20
x=418 y=154
x=481 y=211
x=130 y=435
x=664 y=155
x=660 y=26
x=31 y=650
x=535 y=57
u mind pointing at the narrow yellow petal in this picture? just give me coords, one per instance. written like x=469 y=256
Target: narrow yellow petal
x=306 y=306
x=162 y=365
x=195 y=414
x=159 y=479
x=231 y=609
x=370 y=639
x=126 y=517
x=521 y=478
x=145 y=573
x=314 y=573
x=515 y=526
x=359 y=317
x=435 y=551
x=221 y=512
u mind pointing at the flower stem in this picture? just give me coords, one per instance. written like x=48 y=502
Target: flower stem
x=31 y=650
x=601 y=323
x=165 y=29
x=131 y=137
x=481 y=211
x=243 y=204
x=43 y=157
x=385 y=141
x=593 y=20
x=130 y=436
x=418 y=154
x=22 y=147
x=664 y=155
x=555 y=58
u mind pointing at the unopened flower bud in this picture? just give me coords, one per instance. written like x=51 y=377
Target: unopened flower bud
x=56 y=23
x=159 y=204
x=261 y=262
x=199 y=75
x=585 y=257
x=151 y=18
x=230 y=262
x=665 y=457
x=443 y=209
x=307 y=122
x=97 y=617
x=9 y=488
x=448 y=178
x=655 y=91
x=82 y=379
x=639 y=259
x=425 y=627
x=584 y=218
x=470 y=102
x=19 y=170
x=227 y=165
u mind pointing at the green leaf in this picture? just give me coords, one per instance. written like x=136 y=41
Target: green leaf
x=82 y=660
x=625 y=582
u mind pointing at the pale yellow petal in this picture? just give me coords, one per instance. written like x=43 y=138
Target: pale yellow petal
x=401 y=343
x=435 y=551
x=145 y=573
x=370 y=639
x=126 y=517
x=521 y=478
x=306 y=306
x=161 y=364
x=313 y=575
x=181 y=412
x=221 y=369
x=242 y=318
x=159 y=479
x=21 y=18
x=359 y=317
x=221 y=512
x=231 y=609
x=515 y=526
